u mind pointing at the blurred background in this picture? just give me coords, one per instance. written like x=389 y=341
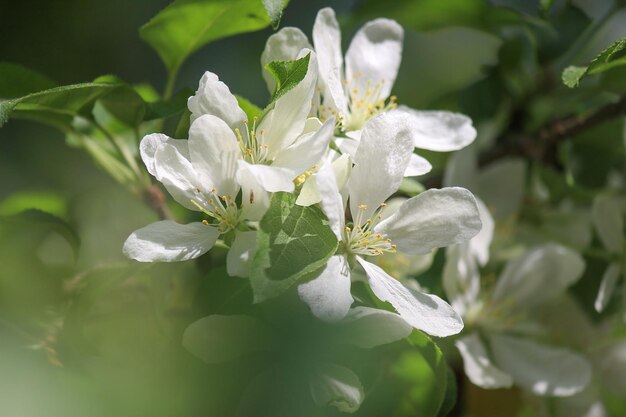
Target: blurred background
x=115 y=350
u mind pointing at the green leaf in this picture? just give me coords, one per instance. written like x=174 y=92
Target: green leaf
x=165 y=108
x=45 y=222
x=287 y=74
x=124 y=103
x=274 y=10
x=449 y=401
x=609 y=58
x=251 y=109
x=17 y=81
x=46 y=201
x=68 y=100
x=186 y=25
x=292 y=241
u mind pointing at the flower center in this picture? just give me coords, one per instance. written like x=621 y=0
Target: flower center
x=360 y=239
x=252 y=145
x=365 y=103
x=221 y=209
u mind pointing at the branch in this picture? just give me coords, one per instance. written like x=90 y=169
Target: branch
x=543 y=145
x=155 y=199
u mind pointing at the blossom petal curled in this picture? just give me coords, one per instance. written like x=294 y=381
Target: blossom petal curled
x=213 y=151
x=425 y=312
x=607 y=286
x=327 y=41
x=270 y=178
x=214 y=97
x=151 y=143
x=336 y=386
x=283 y=124
x=380 y=162
x=283 y=45
x=417 y=166
x=328 y=295
x=175 y=172
x=374 y=55
x=607 y=218
x=368 y=327
x=168 y=241
x=307 y=151
x=240 y=254
x=538 y=275
x=541 y=369
x=478 y=367
x=433 y=219
x=440 y=131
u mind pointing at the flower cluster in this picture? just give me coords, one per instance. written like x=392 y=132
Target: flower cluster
x=336 y=135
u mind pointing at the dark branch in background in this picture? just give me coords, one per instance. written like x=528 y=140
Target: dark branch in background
x=154 y=198
x=544 y=144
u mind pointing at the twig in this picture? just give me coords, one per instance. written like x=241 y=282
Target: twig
x=155 y=199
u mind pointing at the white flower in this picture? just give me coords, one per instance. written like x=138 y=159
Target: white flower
x=435 y=218
x=360 y=89
x=497 y=353
x=223 y=157
x=269 y=154
x=607 y=215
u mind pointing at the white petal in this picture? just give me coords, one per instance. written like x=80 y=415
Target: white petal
x=544 y=370
x=433 y=219
x=213 y=97
x=270 y=178
x=501 y=186
x=425 y=312
x=150 y=143
x=607 y=217
x=213 y=149
x=479 y=245
x=440 y=131
x=254 y=199
x=328 y=295
x=478 y=366
x=607 y=286
x=374 y=56
x=327 y=41
x=331 y=201
x=368 y=327
x=309 y=193
x=380 y=162
x=283 y=45
x=462 y=169
x=282 y=125
x=537 y=276
x=216 y=338
x=348 y=145
x=336 y=386
x=417 y=166
x=240 y=254
x=461 y=278
x=307 y=151
x=168 y=241
x=175 y=172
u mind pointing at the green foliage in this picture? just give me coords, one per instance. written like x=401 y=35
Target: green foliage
x=186 y=25
x=161 y=109
x=47 y=201
x=57 y=105
x=450 y=397
x=274 y=10
x=287 y=74
x=609 y=58
x=17 y=81
x=251 y=109
x=124 y=103
x=292 y=241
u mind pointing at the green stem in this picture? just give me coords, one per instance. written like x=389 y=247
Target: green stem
x=128 y=158
x=171 y=82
